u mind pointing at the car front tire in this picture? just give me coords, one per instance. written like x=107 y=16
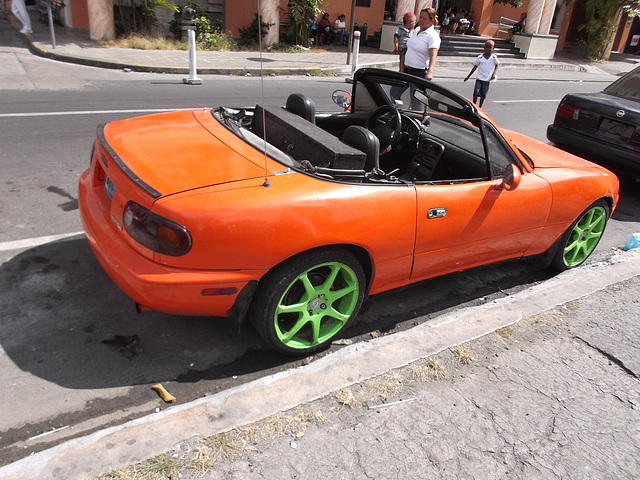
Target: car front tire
x=581 y=239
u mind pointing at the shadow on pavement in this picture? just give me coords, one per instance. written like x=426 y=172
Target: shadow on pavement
x=60 y=308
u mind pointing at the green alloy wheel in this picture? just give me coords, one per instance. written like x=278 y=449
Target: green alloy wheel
x=582 y=237
x=304 y=304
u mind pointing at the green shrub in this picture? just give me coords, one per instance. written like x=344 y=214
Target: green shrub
x=218 y=40
x=599 y=27
x=285 y=48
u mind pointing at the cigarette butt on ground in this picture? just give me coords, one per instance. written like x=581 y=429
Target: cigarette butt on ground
x=164 y=395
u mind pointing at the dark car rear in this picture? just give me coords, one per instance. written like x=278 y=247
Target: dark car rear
x=603 y=127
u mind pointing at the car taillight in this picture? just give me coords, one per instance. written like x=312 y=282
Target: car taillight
x=568 y=111
x=154 y=231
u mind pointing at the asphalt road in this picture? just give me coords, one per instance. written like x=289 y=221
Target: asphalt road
x=59 y=307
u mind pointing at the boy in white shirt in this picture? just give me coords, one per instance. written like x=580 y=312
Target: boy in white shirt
x=487 y=65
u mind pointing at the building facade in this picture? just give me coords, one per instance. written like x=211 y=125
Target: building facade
x=559 y=18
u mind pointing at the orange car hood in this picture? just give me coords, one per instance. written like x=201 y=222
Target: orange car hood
x=179 y=151
x=545 y=155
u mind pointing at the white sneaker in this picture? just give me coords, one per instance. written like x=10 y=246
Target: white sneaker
x=26 y=30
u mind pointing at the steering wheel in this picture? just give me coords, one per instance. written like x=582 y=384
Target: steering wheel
x=385 y=123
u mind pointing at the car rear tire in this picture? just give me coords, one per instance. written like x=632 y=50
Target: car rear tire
x=307 y=302
x=581 y=239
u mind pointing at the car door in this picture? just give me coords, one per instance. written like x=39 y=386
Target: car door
x=463 y=225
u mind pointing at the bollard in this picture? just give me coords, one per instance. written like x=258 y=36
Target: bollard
x=193 y=79
x=356 y=49
x=51 y=30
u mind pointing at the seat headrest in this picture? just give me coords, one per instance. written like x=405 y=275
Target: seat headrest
x=303 y=106
x=364 y=140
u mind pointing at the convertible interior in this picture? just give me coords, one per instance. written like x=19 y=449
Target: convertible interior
x=397 y=131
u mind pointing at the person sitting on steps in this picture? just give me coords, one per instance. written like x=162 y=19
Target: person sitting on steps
x=340 y=29
x=325 y=32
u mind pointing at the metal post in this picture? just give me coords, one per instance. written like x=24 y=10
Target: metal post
x=51 y=30
x=193 y=79
x=356 y=50
x=353 y=21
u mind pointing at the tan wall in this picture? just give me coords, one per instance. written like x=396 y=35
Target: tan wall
x=79 y=13
x=237 y=14
x=373 y=16
x=508 y=11
x=487 y=15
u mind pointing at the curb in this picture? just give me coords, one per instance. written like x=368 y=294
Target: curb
x=443 y=63
x=143 y=438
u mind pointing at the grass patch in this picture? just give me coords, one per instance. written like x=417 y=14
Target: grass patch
x=211 y=41
x=318 y=72
x=572 y=305
x=545 y=317
x=161 y=467
x=286 y=48
x=204 y=455
x=428 y=369
x=225 y=445
x=140 y=42
x=462 y=354
x=505 y=332
x=346 y=397
x=385 y=386
x=303 y=418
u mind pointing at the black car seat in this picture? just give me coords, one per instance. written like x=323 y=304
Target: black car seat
x=303 y=106
x=364 y=140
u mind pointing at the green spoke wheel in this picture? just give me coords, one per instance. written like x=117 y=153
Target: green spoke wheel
x=582 y=237
x=303 y=305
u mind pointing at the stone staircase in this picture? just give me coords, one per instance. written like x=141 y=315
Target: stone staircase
x=461 y=45
x=373 y=40
x=473 y=45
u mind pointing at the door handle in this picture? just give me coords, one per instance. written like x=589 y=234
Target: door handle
x=437 y=212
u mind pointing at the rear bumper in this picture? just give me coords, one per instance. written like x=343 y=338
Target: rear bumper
x=158 y=287
x=606 y=154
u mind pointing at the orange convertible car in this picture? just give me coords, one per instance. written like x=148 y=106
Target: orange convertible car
x=289 y=218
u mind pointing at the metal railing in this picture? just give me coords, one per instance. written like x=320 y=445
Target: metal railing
x=505 y=26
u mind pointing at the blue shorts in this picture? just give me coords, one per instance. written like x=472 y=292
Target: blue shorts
x=481 y=88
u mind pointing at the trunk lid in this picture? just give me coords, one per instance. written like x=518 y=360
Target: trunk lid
x=173 y=152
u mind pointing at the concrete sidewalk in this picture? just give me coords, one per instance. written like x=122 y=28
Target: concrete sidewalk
x=74 y=46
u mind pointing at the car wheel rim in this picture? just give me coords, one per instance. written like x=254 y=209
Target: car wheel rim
x=316 y=305
x=585 y=236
